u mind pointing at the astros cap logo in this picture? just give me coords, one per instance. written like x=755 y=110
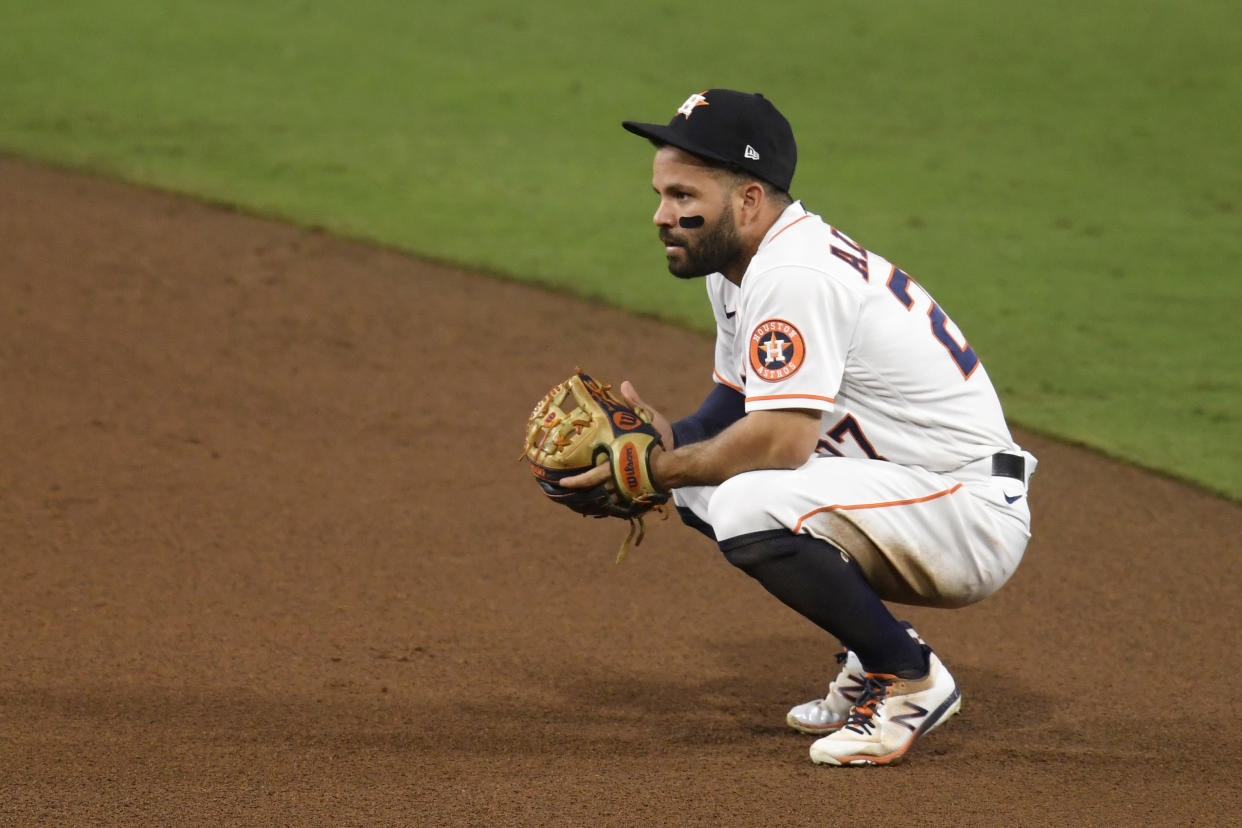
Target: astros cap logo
x=776 y=350
x=691 y=103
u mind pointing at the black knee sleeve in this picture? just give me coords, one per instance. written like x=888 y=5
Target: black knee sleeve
x=748 y=552
x=816 y=580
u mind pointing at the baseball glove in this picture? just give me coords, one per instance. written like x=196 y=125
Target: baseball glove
x=579 y=424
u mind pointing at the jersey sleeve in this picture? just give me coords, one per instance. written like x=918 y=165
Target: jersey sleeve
x=798 y=328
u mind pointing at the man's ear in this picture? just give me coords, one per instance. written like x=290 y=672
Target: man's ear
x=751 y=198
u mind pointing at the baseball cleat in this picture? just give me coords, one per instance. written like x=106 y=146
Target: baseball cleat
x=821 y=716
x=889 y=714
x=829 y=713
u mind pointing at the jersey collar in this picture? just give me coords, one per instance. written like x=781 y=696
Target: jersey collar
x=792 y=215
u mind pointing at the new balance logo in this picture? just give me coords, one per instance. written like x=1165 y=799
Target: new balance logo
x=914 y=716
x=850 y=691
x=751 y=153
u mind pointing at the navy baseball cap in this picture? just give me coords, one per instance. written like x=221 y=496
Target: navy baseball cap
x=741 y=129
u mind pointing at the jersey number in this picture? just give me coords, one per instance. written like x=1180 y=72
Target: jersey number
x=961 y=352
x=848 y=425
x=899 y=285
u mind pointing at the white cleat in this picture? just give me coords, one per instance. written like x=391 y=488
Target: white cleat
x=825 y=715
x=829 y=713
x=888 y=715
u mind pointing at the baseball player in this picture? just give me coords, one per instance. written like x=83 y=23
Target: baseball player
x=852 y=450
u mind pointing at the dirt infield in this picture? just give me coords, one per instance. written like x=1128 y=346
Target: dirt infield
x=269 y=558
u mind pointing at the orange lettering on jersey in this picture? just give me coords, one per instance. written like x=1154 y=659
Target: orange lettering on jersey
x=776 y=350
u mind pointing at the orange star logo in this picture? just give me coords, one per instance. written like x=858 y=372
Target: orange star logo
x=692 y=103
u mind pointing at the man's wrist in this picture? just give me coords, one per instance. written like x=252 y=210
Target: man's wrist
x=659 y=469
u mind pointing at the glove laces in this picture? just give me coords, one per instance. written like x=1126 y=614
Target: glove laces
x=638 y=530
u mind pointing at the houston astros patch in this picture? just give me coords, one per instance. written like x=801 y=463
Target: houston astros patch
x=776 y=350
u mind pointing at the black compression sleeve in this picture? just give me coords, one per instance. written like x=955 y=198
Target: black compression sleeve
x=722 y=407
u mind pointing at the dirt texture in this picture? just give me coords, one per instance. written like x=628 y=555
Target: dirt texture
x=269 y=557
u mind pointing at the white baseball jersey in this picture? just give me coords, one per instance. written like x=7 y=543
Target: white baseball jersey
x=821 y=323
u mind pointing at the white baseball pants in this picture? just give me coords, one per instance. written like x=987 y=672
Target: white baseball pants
x=942 y=540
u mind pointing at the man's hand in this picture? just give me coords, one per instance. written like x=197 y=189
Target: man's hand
x=603 y=472
x=661 y=423
x=579 y=423
x=590 y=479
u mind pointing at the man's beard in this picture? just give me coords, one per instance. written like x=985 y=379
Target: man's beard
x=710 y=250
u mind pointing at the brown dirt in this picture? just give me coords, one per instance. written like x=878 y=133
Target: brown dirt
x=269 y=558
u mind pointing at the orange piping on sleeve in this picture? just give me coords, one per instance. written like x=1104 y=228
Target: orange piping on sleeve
x=791 y=397
x=724 y=381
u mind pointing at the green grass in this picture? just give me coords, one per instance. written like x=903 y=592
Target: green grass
x=1065 y=177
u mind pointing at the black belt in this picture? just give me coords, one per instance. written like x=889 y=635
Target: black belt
x=1009 y=465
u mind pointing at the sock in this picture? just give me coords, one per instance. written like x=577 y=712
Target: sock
x=813 y=578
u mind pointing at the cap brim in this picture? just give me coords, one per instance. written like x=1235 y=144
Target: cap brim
x=663 y=134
